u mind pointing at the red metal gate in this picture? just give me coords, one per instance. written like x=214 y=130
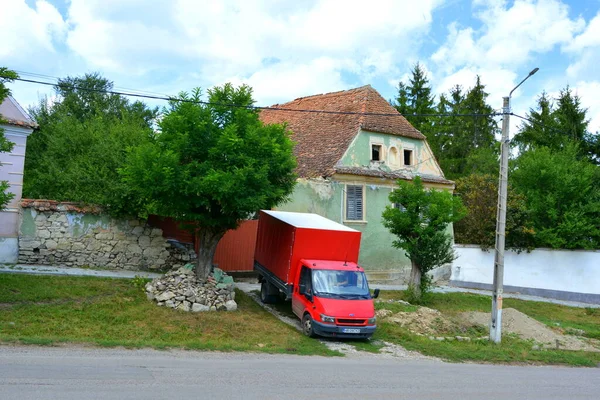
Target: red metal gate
x=235 y=251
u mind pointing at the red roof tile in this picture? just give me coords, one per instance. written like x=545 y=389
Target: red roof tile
x=13 y=114
x=322 y=138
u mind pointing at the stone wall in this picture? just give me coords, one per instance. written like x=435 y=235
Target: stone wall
x=53 y=233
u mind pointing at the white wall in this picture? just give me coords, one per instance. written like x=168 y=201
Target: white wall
x=575 y=271
x=11 y=170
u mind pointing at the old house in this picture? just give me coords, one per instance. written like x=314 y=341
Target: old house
x=349 y=159
x=17 y=126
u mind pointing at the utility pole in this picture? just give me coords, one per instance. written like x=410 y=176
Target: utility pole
x=496 y=322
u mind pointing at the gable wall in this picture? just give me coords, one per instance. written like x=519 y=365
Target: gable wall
x=359 y=153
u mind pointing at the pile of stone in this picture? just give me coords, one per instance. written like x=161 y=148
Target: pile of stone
x=182 y=290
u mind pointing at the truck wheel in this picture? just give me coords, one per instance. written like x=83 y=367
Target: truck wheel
x=307 y=325
x=265 y=297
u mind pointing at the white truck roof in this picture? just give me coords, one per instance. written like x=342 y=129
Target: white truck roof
x=308 y=221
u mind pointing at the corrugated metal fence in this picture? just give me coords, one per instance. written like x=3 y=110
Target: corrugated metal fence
x=235 y=251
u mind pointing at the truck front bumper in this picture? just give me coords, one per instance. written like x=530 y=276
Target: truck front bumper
x=331 y=330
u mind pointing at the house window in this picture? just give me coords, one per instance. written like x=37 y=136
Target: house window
x=399 y=207
x=376 y=153
x=354 y=203
x=408 y=157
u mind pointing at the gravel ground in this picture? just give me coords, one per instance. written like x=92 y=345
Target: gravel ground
x=389 y=350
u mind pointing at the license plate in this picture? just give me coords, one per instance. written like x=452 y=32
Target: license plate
x=350 y=330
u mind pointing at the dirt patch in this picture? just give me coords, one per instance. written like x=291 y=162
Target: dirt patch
x=424 y=321
x=514 y=321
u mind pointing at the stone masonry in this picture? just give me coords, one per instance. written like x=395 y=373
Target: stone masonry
x=53 y=233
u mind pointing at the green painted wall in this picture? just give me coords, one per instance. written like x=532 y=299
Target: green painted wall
x=359 y=153
x=325 y=197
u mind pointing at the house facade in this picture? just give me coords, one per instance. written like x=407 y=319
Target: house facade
x=17 y=127
x=349 y=160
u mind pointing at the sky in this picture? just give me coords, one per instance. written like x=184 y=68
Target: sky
x=285 y=49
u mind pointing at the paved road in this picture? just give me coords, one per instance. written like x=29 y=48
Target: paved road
x=78 y=373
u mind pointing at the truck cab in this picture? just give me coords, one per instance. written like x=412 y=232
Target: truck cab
x=332 y=299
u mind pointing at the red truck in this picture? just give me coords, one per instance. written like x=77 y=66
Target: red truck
x=312 y=261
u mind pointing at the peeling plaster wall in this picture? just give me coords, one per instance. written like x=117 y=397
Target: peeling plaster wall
x=359 y=153
x=57 y=234
x=325 y=197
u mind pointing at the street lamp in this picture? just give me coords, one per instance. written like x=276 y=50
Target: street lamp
x=496 y=322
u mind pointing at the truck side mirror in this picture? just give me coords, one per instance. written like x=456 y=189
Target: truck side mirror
x=376 y=293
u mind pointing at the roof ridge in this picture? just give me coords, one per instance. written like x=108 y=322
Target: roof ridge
x=328 y=94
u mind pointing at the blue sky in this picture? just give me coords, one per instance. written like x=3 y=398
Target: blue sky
x=289 y=49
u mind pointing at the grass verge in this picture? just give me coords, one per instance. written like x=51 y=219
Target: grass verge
x=113 y=312
x=511 y=350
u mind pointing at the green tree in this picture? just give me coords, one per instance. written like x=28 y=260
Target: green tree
x=479 y=193
x=556 y=124
x=466 y=144
x=415 y=99
x=6 y=76
x=82 y=141
x=562 y=192
x=420 y=223
x=211 y=165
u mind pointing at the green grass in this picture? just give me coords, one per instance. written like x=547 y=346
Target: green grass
x=512 y=349
x=112 y=312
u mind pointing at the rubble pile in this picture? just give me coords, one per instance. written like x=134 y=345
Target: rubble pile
x=182 y=290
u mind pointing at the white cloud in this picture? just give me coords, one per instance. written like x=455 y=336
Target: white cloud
x=29 y=33
x=285 y=81
x=218 y=40
x=588 y=38
x=588 y=92
x=509 y=36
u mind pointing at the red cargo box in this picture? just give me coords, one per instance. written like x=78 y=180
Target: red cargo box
x=286 y=237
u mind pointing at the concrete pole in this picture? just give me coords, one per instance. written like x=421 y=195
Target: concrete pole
x=496 y=322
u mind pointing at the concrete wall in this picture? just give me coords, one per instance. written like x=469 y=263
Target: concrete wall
x=11 y=170
x=562 y=274
x=53 y=233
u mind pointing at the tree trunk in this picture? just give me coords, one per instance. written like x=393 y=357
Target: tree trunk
x=208 y=240
x=414 y=283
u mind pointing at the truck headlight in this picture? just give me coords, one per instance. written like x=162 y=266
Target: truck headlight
x=326 y=318
x=371 y=321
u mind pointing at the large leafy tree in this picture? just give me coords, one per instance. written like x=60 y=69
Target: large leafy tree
x=479 y=193
x=420 y=219
x=211 y=165
x=562 y=193
x=82 y=141
x=6 y=76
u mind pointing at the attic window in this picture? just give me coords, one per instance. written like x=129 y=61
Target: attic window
x=376 y=152
x=408 y=157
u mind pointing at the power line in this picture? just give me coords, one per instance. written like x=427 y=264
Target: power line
x=250 y=107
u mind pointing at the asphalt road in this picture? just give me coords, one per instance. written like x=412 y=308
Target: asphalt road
x=78 y=373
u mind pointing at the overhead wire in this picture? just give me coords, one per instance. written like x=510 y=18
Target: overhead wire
x=251 y=107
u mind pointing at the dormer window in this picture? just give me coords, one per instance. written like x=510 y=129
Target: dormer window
x=376 y=152
x=408 y=157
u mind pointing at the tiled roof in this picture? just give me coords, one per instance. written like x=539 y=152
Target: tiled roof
x=13 y=114
x=399 y=174
x=321 y=138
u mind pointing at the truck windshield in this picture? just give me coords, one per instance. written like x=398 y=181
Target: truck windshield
x=340 y=284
